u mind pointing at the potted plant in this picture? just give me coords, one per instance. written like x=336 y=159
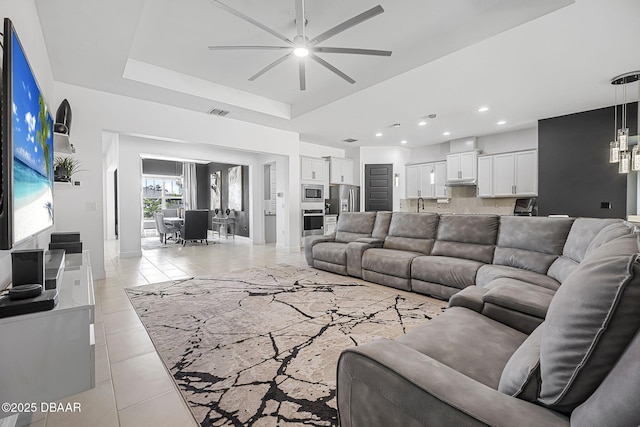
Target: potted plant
x=64 y=168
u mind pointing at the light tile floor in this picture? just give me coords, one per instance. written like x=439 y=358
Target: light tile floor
x=133 y=387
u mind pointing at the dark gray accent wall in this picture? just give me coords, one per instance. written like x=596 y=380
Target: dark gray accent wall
x=574 y=175
x=242 y=217
x=202 y=181
x=161 y=167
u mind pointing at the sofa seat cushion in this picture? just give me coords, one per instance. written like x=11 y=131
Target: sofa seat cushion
x=458 y=338
x=488 y=273
x=389 y=261
x=332 y=252
x=519 y=296
x=448 y=271
x=590 y=322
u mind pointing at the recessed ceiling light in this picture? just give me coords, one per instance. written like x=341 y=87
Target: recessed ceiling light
x=404 y=141
x=379 y=134
x=447 y=133
x=422 y=123
x=483 y=109
x=502 y=122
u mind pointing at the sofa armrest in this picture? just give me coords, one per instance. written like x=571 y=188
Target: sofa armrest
x=371 y=240
x=385 y=383
x=355 y=250
x=310 y=241
x=469 y=297
x=517 y=304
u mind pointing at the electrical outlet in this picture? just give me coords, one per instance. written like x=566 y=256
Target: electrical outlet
x=605 y=205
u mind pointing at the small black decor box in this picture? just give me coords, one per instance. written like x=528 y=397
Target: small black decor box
x=67 y=240
x=27 y=267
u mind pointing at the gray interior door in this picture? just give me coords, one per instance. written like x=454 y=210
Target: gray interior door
x=378 y=187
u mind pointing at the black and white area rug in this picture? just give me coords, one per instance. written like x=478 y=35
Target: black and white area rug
x=259 y=347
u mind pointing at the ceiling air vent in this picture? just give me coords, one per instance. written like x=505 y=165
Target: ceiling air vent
x=349 y=140
x=218 y=112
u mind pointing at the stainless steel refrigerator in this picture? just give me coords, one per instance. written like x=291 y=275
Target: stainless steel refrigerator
x=344 y=198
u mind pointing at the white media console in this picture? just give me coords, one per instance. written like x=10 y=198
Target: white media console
x=48 y=355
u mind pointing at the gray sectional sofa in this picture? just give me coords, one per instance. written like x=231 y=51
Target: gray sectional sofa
x=542 y=325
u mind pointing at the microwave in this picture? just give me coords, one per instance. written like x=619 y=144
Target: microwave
x=312 y=193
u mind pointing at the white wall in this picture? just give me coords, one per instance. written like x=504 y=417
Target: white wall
x=131 y=149
x=315 y=150
x=96 y=112
x=25 y=19
x=524 y=139
x=383 y=155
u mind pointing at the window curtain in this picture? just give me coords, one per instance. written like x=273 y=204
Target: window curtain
x=190 y=186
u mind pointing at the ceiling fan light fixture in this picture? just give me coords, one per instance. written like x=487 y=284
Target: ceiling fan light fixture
x=301 y=52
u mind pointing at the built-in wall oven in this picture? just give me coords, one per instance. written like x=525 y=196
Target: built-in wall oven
x=312 y=222
x=312 y=193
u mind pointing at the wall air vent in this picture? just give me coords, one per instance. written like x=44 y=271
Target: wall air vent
x=218 y=112
x=349 y=140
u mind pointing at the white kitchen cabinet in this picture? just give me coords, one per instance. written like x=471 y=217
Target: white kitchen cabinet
x=462 y=166
x=312 y=169
x=330 y=222
x=508 y=174
x=341 y=171
x=504 y=175
x=485 y=176
x=526 y=182
x=412 y=186
x=426 y=180
x=440 y=190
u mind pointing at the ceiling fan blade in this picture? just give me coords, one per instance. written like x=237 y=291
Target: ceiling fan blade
x=303 y=80
x=249 y=47
x=331 y=67
x=374 y=11
x=270 y=66
x=251 y=21
x=352 y=50
x=300 y=19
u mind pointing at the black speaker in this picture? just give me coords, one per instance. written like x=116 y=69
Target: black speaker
x=27 y=267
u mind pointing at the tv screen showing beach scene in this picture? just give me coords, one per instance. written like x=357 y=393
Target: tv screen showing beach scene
x=32 y=142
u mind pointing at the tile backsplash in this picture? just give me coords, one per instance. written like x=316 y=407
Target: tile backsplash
x=463 y=200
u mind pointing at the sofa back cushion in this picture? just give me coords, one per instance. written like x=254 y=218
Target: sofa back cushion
x=467 y=236
x=381 y=226
x=354 y=225
x=583 y=232
x=413 y=232
x=591 y=320
x=615 y=402
x=531 y=243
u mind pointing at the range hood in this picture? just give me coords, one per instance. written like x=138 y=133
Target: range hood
x=462 y=183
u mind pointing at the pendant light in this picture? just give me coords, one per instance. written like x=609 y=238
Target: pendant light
x=619 y=147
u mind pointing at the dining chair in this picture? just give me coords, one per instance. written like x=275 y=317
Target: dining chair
x=170 y=213
x=163 y=228
x=196 y=226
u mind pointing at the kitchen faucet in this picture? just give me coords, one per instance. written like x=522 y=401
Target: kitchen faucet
x=420 y=199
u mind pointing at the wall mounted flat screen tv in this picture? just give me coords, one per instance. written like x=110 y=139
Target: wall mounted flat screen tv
x=26 y=195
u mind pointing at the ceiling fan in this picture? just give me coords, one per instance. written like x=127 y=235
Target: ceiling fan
x=303 y=46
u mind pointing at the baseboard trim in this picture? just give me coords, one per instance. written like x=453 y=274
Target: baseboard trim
x=132 y=254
